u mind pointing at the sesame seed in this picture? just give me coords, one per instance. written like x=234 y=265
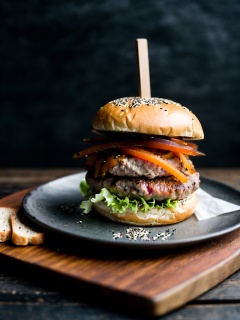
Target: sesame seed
x=133 y=102
x=143 y=234
x=117 y=235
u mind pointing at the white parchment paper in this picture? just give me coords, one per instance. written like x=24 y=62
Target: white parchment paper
x=209 y=206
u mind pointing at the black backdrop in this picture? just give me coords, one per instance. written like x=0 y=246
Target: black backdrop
x=61 y=60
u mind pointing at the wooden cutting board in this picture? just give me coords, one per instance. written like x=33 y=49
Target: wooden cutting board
x=153 y=282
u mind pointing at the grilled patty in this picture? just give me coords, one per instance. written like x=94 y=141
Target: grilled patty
x=125 y=165
x=135 y=167
x=157 y=188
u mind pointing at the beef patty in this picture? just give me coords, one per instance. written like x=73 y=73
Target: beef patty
x=135 y=167
x=157 y=188
x=125 y=165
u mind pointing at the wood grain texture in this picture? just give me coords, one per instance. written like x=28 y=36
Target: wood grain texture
x=159 y=282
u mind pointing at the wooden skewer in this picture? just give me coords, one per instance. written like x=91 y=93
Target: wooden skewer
x=143 y=68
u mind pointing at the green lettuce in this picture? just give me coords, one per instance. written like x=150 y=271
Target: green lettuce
x=119 y=204
x=85 y=189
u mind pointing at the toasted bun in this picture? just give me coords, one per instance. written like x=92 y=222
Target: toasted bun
x=154 y=116
x=154 y=217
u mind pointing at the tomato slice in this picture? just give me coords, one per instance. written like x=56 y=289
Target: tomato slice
x=185 y=143
x=171 y=146
x=156 y=143
x=149 y=156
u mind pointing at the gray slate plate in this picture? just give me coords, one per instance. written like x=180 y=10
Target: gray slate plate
x=55 y=206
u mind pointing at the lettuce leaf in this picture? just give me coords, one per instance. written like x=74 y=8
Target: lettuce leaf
x=119 y=204
x=86 y=205
x=85 y=189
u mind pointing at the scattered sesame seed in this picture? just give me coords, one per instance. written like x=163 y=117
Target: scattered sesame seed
x=133 y=102
x=143 y=234
x=165 y=235
x=138 y=233
x=117 y=235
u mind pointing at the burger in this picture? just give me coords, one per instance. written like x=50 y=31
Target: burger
x=138 y=163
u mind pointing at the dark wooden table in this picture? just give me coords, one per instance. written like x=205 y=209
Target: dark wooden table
x=31 y=293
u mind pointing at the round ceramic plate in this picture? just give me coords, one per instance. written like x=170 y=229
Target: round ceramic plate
x=55 y=206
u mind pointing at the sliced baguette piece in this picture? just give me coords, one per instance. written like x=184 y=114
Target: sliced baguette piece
x=5 y=223
x=24 y=231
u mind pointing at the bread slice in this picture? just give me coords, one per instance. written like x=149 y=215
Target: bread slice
x=24 y=231
x=5 y=223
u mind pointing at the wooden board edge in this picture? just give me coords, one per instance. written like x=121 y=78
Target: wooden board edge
x=187 y=291
x=93 y=292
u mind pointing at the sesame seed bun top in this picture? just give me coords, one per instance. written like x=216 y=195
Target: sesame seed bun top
x=155 y=116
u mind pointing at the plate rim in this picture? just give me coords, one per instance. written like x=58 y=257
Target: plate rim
x=131 y=244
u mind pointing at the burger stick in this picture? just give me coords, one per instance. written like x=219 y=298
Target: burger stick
x=143 y=68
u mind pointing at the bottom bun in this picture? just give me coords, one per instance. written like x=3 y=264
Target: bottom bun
x=154 y=217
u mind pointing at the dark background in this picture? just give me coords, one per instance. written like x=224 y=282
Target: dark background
x=62 y=60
